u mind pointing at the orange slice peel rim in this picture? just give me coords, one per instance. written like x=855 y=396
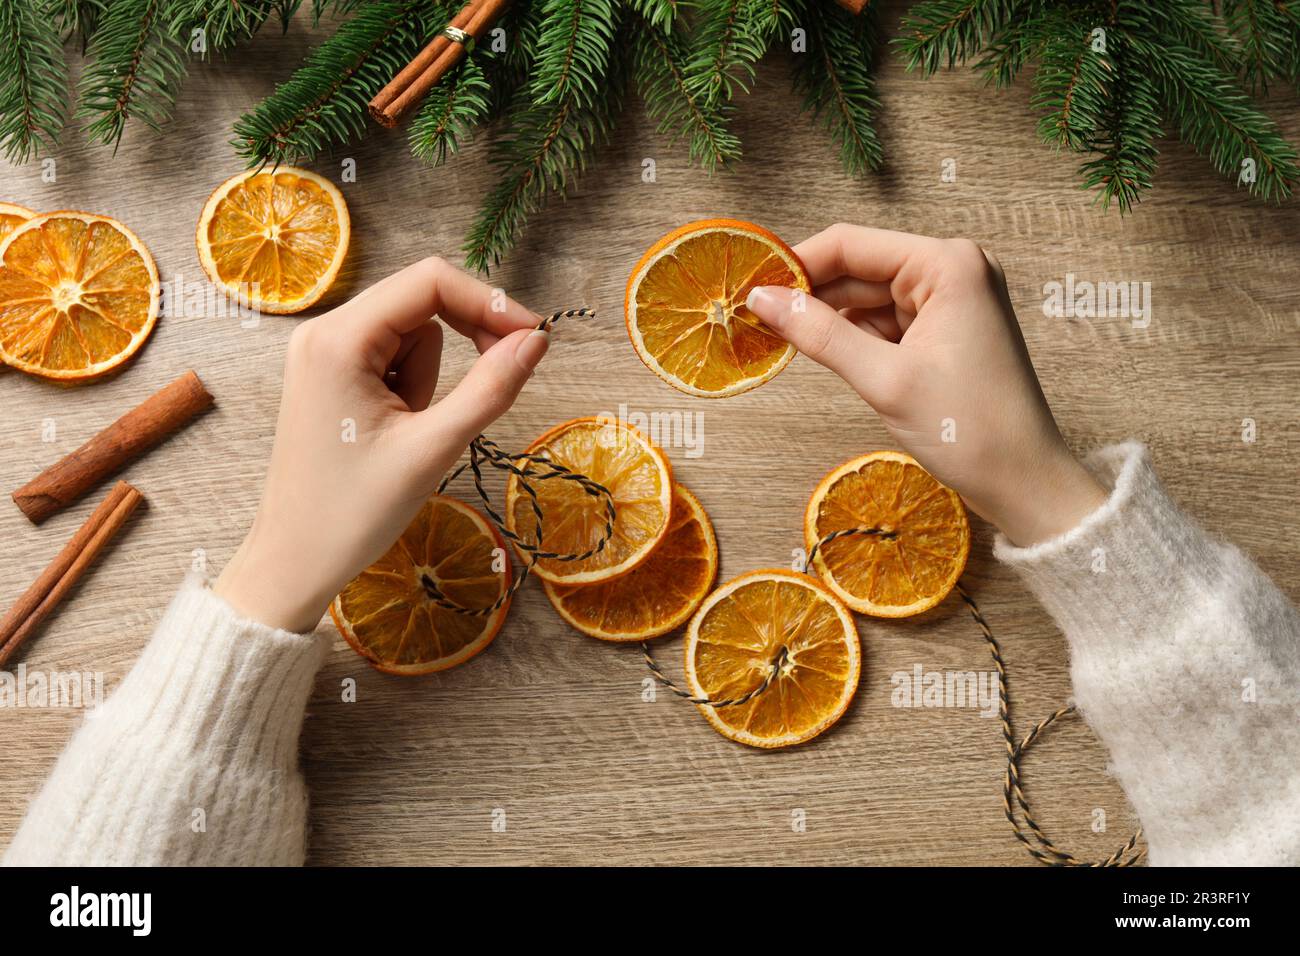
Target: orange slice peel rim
x=71 y=291
x=733 y=309
x=949 y=519
x=847 y=637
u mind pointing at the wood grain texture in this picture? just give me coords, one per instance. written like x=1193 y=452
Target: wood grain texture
x=550 y=726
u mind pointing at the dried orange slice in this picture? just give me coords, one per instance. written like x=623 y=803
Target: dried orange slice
x=686 y=313
x=898 y=576
x=78 y=296
x=274 y=239
x=737 y=635
x=390 y=613
x=659 y=595
x=12 y=216
x=627 y=463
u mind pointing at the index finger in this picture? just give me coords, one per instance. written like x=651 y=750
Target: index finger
x=873 y=255
x=407 y=299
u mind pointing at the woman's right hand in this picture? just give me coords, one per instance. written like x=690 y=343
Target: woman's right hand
x=924 y=331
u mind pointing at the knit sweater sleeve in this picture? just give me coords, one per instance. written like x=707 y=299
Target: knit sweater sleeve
x=194 y=758
x=1185 y=659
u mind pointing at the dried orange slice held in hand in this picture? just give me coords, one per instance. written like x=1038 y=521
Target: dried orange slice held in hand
x=907 y=573
x=737 y=635
x=11 y=217
x=686 y=313
x=78 y=296
x=390 y=613
x=625 y=462
x=659 y=595
x=274 y=239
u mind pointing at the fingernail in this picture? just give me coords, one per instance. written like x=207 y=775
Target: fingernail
x=530 y=351
x=770 y=303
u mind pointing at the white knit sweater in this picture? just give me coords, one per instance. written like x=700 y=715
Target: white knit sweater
x=1185 y=659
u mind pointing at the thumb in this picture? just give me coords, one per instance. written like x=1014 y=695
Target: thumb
x=487 y=391
x=821 y=333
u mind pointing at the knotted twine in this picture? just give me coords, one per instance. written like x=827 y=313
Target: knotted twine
x=529 y=469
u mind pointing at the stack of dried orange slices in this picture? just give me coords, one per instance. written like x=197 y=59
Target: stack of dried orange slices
x=79 y=294
x=659 y=557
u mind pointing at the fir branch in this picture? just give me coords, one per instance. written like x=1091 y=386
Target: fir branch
x=563 y=113
x=452 y=110
x=548 y=145
x=1218 y=120
x=75 y=17
x=1029 y=26
x=226 y=22
x=834 y=76
x=659 y=59
x=33 y=80
x=1072 y=86
x=939 y=33
x=1192 y=23
x=658 y=13
x=1268 y=34
x=729 y=38
x=324 y=102
x=135 y=67
x=1126 y=145
x=573 y=51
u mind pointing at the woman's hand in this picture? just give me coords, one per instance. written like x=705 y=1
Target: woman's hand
x=924 y=331
x=357 y=448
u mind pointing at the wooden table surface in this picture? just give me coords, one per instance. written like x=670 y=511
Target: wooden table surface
x=549 y=726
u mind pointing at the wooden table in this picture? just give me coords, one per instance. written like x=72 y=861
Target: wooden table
x=551 y=727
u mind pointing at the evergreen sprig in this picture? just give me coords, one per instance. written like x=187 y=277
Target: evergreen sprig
x=730 y=37
x=135 y=68
x=834 y=75
x=1268 y=32
x=461 y=102
x=75 y=17
x=1111 y=73
x=566 y=109
x=33 y=80
x=1125 y=141
x=659 y=66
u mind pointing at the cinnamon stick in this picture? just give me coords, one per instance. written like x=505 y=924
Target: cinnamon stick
x=39 y=600
x=127 y=438
x=423 y=60
x=395 y=100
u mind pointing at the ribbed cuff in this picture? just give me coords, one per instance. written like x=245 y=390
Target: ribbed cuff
x=1132 y=559
x=194 y=757
x=224 y=681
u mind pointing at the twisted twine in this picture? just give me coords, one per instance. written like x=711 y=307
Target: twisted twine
x=484 y=451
